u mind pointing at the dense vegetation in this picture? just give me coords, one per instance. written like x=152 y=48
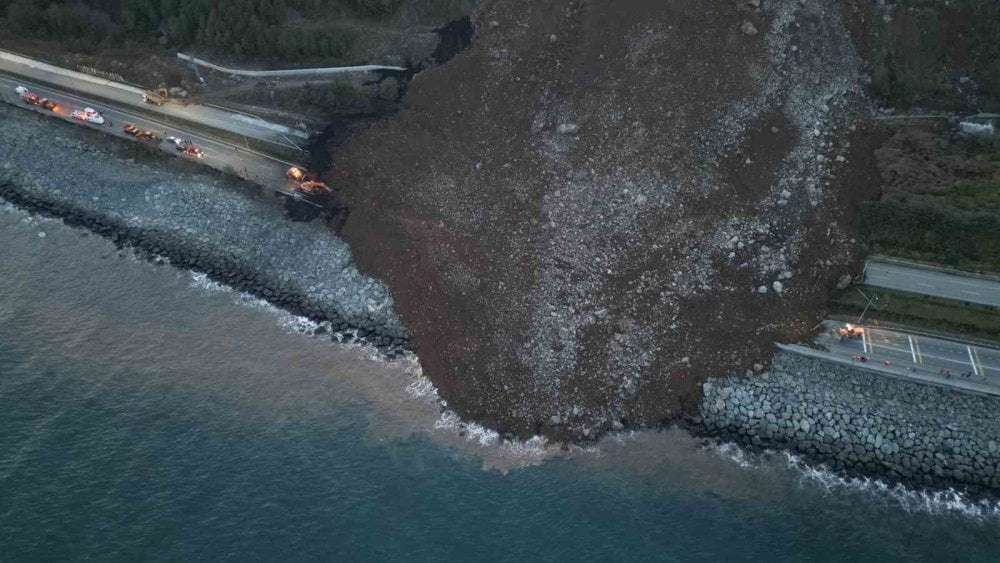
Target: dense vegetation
x=240 y=29
x=959 y=226
x=922 y=49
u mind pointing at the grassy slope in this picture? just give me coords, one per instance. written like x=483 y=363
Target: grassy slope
x=921 y=49
x=929 y=313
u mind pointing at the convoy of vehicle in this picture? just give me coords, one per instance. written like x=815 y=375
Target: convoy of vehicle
x=91 y=115
x=306 y=187
x=187 y=147
x=35 y=99
x=130 y=129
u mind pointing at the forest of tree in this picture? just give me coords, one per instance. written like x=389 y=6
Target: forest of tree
x=241 y=29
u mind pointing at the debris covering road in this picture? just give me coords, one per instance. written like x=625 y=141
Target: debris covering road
x=583 y=212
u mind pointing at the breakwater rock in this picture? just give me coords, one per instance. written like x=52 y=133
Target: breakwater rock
x=199 y=221
x=859 y=422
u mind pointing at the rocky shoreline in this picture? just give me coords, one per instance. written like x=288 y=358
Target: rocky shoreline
x=859 y=423
x=198 y=221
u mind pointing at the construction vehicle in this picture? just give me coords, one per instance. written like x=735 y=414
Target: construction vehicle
x=315 y=193
x=158 y=97
x=314 y=188
x=90 y=115
x=295 y=173
x=851 y=332
x=139 y=133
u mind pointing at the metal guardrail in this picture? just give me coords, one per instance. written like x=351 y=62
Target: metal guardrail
x=286 y=72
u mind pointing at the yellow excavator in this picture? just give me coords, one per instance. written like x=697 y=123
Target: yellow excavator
x=158 y=96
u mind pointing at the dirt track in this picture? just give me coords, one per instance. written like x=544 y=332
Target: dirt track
x=589 y=211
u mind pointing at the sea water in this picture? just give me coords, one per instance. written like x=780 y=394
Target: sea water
x=146 y=413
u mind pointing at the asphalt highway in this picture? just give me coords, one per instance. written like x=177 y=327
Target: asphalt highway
x=261 y=169
x=929 y=281
x=917 y=353
x=126 y=96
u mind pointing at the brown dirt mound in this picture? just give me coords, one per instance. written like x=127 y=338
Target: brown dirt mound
x=913 y=159
x=577 y=214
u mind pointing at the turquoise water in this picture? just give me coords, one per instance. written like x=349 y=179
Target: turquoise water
x=145 y=415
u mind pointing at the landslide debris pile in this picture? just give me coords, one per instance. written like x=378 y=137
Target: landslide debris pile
x=600 y=204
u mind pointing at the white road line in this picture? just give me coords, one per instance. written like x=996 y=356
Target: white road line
x=976 y=293
x=887 y=347
x=864 y=341
x=147 y=119
x=913 y=352
x=972 y=360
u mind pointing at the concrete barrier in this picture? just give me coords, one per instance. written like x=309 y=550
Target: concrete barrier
x=956 y=384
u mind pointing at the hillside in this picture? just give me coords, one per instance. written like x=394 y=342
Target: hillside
x=137 y=39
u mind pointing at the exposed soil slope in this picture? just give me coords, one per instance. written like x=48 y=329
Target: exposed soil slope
x=600 y=204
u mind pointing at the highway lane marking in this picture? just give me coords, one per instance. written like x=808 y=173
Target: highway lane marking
x=972 y=360
x=922 y=356
x=215 y=150
x=66 y=75
x=976 y=293
x=982 y=371
x=887 y=347
x=147 y=119
x=913 y=351
x=864 y=341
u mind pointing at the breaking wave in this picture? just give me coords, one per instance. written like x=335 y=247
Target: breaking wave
x=419 y=388
x=928 y=501
x=937 y=502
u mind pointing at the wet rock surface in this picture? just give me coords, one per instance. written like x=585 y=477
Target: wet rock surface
x=859 y=423
x=198 y=220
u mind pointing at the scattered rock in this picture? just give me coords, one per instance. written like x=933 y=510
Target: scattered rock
x=748 y=28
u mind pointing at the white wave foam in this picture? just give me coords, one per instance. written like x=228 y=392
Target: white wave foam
x=422 y=389
x=294 y=324
x=936 y=502
x=419 y=387
x=532 y=449
x=200 y=280
x=734 y=453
